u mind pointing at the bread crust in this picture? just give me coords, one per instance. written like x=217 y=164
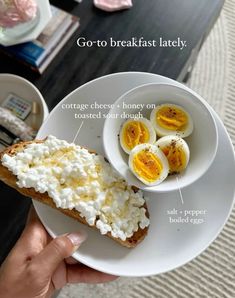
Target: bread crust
x=10 y=179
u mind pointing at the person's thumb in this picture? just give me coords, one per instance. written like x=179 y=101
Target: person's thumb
x=57 y=250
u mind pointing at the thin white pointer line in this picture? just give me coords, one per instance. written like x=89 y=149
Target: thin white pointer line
x=180 y=192
x=77 y=132
x=74 y=138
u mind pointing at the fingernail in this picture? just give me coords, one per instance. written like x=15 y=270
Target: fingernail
x=77 y=238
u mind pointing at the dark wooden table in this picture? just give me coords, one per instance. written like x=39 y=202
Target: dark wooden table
x=191 y=20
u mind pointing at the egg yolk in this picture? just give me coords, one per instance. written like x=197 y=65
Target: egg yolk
x=172 y=118
x=147 y=165
x=176 y=158
x=135 y=133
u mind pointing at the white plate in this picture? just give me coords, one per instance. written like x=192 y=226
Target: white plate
x=167 y=246
x=10 y=83
x=44 y=17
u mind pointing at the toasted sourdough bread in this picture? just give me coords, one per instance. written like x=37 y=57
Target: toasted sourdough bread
x=10 y=179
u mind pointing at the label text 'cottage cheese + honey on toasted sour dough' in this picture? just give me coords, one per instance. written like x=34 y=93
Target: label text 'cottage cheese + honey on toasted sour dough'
x=75 y=178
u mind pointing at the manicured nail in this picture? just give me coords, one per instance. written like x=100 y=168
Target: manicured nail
x=77 y=238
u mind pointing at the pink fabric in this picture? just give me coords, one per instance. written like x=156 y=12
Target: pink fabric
x=113 y=5
x=14 y=12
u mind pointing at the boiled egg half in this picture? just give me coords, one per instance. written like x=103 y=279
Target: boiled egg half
x=136 y=131
x=176 y=151
x=171 y=119
x=149 y=164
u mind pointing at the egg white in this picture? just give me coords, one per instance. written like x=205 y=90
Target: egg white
x=158 y=153
x=167 y=140
x=161 y=131
x=146 y=123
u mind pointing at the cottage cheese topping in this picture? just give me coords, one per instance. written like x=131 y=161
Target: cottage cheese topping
x=75 y=178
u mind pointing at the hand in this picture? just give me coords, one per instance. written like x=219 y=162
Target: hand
x=38 y=265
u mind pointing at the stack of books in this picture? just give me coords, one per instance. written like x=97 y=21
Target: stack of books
x=39 y=53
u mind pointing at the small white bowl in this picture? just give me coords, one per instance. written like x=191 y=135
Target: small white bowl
x=202 y=142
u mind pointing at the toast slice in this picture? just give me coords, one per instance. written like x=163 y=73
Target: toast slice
x=10 y=179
